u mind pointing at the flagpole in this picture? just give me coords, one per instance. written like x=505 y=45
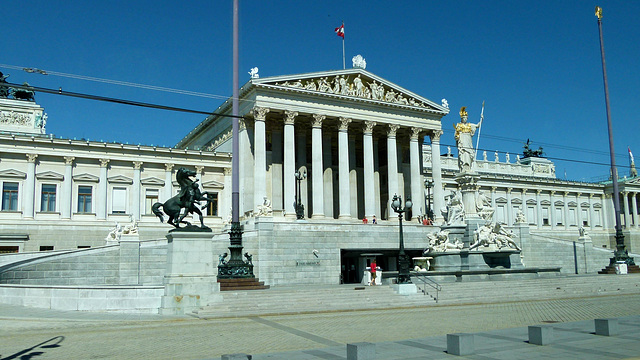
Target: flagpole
x=343 y=63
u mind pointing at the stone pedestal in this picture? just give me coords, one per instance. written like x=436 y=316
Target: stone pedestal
x=405 y=289
x=468 y=183
x=190 y=280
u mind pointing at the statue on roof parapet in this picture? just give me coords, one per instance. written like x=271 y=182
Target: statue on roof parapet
x=527 y=152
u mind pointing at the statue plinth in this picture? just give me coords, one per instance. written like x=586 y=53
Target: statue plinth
x=468 y=183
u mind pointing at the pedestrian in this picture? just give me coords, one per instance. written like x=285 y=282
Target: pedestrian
x=365 y=220
x=374 y=268
x=373 y=221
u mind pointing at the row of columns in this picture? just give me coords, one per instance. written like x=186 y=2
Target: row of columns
x=65 y=199
x=630 y=212
x=324 y=207
x=552 y=216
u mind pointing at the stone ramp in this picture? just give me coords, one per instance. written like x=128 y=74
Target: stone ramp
x=326 y=298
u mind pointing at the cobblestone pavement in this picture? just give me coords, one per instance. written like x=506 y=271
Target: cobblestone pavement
x=25 y=333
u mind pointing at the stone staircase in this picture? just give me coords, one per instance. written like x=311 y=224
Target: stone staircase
x=326 y=298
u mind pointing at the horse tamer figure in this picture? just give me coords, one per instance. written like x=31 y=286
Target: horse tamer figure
x=188 y=199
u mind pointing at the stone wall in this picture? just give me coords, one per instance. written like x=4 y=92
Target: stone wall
x=97 y=266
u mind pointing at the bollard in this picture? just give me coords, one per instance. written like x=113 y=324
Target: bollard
x=460 y=344
x=361 y=351
x=606 y=327
x=239 y=356
x=540 y=335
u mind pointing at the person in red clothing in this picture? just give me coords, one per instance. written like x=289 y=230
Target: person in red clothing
x=374 y=268
x=365 y=220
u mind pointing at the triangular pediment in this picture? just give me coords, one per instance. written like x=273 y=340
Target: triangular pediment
x=516 y=201
x=356 y=84
x=120 y=179
x=151 y=181
x=531 y=202
x=86 y=177
x=213 y=185
x=12 y=173
x=49 y=175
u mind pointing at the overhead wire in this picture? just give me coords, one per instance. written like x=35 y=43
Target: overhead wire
x=213 y=96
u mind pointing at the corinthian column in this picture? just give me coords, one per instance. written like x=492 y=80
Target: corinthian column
x=67 y=188
x=30 y=186
x=136 y=189
x=369 y=191
x=436 y=173
x=416 y=180
x=392 y=166
x=101 y=198
x=260 y=166
x=343 y=168
x=289 y=167
x=316 y=166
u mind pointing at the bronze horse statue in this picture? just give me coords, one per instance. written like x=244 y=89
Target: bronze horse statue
x=188 y=199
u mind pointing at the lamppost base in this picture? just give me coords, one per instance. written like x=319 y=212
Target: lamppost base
x=236 y=267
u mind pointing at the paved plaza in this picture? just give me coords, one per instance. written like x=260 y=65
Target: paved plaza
x=500 y=332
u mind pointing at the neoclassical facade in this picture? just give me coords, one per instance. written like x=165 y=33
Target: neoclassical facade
x=356 y=136
x=359 y=139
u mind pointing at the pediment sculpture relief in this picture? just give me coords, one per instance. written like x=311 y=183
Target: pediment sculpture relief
x=354 y=86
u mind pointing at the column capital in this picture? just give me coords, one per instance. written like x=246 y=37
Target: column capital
x=509 y=190
x=168 y=167
x=317 y=120
x=566 y=193
x=137 y=165
x=368 y=127
x=68 y=160
x=259 y=113
x=242 y=124
x=494 y=188
x=31 y=158
x=393 y=129
x=227 y=171
x=199 y=169
x=538 y=191
x=552 y=192
x=415 y=133
x=290 y=117
x=435 y=135
x=524 y=192
x=344 y=123
x=578 y=194
x=592 y=195
x=104 y=163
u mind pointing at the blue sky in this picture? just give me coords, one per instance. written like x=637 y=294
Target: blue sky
x=535 y=64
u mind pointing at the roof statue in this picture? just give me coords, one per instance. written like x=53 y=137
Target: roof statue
x=359 y=62
x=445 y=103
x=254 y=73
x=527 y=152
x=4 y=90
x=23 y=94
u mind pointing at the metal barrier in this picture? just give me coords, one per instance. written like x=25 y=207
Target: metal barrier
x=426 y=283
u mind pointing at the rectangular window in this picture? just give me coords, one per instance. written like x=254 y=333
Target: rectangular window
x=9 y=249
x=46 y=248
x=212 y=208
x=119 y=201
x=596 y=217
x=545 y=216
x=48 y=199
x=84 y=199
x=572 y=217
x=531 y=215
x=151 y=197
x=500 y=214
x=585 y=217
x=558 y=216
x=10 y=196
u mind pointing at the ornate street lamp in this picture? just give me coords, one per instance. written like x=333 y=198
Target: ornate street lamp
x=298 y=204
x=428 y=183
x=620 y=254
x=403 y=260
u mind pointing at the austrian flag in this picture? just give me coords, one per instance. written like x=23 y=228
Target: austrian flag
x=340 y=31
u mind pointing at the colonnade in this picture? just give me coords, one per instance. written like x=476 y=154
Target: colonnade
x=318 y=190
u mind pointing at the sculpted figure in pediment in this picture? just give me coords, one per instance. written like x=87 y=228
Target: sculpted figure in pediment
x=323 y=85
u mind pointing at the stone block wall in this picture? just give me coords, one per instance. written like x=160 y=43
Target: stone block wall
x=98 y=266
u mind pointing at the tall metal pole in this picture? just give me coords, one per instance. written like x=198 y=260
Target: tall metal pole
x=620 y=254
x=236 y=267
